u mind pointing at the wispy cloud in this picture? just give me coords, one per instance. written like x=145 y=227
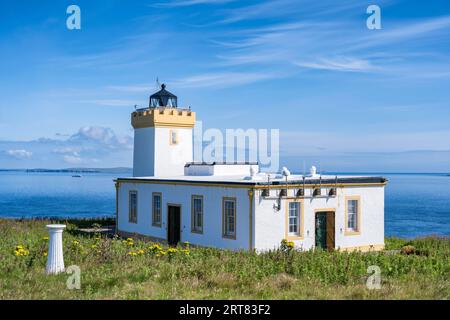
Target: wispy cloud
x=222 y=79
x=339 y=64
x=187 y=3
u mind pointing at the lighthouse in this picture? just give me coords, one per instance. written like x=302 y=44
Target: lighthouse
x=163 y=136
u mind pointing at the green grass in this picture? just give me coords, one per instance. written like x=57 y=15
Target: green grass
x=109 y=271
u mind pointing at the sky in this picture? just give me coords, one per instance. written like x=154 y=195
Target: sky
x=345 y=98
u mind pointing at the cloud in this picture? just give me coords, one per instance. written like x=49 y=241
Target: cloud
x=111 y=102
x=19 y=154
x=222 y=79
x=339 y=64
x=89 y=146
x=101 y=135
x=72 y=159
x=187 y=3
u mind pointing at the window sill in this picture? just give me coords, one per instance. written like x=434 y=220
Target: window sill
x=229 y=237
x=352 y=233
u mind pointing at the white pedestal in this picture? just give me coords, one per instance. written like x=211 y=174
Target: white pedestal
x=55 y=259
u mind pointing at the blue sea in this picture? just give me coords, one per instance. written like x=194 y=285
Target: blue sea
x=416 y=204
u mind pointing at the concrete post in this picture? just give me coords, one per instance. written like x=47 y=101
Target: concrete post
x=55 y=259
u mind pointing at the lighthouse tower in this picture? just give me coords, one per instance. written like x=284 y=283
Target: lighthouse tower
x=162 y=136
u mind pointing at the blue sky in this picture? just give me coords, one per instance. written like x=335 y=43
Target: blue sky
x=343 y=96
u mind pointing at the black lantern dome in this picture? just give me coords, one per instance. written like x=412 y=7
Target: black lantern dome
x=163 y=98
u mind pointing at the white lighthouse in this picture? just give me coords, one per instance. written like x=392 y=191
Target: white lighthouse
x=232 y=205
x=162 y=136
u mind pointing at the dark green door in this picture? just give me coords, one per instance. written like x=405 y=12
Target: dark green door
x=321 y=230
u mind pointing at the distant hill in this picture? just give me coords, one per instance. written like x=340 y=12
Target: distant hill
x=78 y=170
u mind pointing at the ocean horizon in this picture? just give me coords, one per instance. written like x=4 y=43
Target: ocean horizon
x=416 y=204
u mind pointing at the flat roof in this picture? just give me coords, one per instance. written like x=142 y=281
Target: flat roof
x=245 y=180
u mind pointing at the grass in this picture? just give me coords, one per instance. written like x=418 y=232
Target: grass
x=114 y=268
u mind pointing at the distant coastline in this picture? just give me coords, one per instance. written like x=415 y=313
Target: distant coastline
x=73 y=170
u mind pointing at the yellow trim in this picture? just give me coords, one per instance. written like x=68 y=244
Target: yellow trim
x=366 y=248
x=251 y=193
x=196 y=196
x=244 y=186
x=313 y=186
x=301 y=236
x=170 y=137
x=129 y=206
x=348 y=232
x=325 y=210
x=153 y=209
x=163 y=117
x=223 y=218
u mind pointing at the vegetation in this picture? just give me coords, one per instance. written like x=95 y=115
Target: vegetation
x=114 y=268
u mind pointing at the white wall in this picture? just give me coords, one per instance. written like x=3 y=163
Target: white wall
x=270 y=223
x=170 y=159
x=181 y=194
x=220 y=169
x=143 y=152
x=153 y=155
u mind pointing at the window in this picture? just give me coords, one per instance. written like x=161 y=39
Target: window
x=229 y=218
x=156 y=209
x=173 y=137
x=294 y=218
x=352 y=216
x=197 y=214
x=132 y=214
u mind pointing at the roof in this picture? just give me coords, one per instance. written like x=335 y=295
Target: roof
x=248 y=181
x=163 y=93
x=163 y=98
x=188 y=164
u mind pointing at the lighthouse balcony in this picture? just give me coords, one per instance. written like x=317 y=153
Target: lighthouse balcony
x=163 y=117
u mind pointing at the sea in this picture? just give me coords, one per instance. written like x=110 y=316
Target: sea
x=416 y=205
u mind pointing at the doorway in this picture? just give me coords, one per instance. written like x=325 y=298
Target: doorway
x=325 y=230
x=173 y=225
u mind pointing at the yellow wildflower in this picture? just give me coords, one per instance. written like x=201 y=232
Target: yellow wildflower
x=45 y=238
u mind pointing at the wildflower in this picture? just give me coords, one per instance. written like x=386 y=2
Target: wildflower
x=155 y=248
x=45 y=238
x=21 y=251
x=93 y=246
x=140 y=251
x=186 y=251
x=132 y=253
x=75 y=242
x=45 y=254
x=161 y=253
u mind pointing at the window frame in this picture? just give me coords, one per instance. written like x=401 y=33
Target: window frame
x=225 y=234
x=193 y=214
x=171 y=141
x=357 y=231
x=130 y=217
x=156 y=224
x=300 y=224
